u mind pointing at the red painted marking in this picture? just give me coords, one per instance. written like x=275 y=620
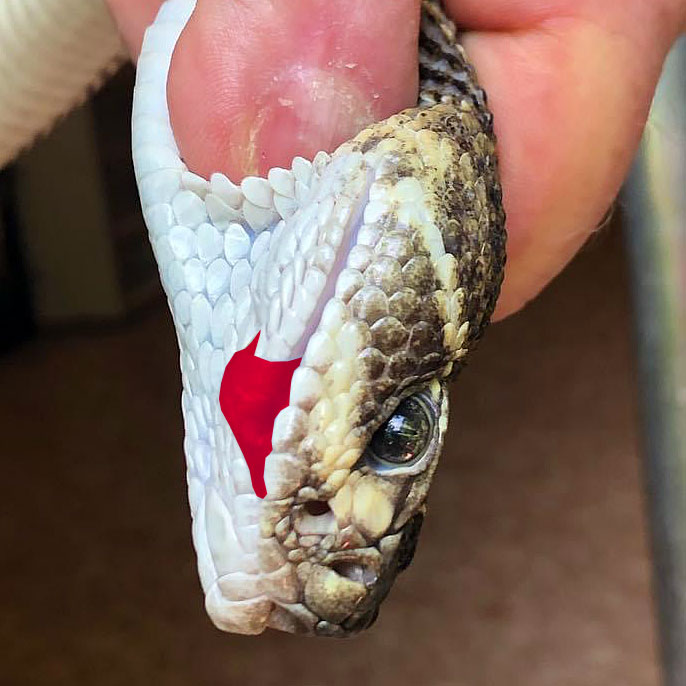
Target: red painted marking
x=252 y=393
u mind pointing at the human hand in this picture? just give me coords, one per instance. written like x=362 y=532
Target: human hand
x=255 y=82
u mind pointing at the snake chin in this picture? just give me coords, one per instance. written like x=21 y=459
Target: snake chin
x=404 y=545
x=343 y=615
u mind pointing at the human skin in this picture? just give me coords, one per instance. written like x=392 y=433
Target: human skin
x=255 y=82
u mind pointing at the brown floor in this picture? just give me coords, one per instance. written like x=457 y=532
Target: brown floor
x=532 y=569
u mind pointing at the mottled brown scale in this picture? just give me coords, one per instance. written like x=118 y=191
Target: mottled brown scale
x=397 y=245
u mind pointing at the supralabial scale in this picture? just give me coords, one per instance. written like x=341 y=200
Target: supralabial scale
x=379 y=265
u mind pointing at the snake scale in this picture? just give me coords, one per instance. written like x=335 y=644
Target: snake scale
x=379 y=265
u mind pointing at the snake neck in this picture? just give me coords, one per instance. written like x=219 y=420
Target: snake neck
x=445 y=74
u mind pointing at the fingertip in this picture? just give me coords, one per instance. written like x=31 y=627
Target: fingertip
x=570 y=100
x=241 y=103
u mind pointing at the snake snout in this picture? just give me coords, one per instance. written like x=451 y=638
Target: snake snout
x=346 y=593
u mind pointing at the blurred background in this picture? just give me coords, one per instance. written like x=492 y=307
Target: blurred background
x=534 y=564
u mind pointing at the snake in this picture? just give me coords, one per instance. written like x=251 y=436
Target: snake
x=377 y=266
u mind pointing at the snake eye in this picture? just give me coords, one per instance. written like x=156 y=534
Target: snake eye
x=403 y=439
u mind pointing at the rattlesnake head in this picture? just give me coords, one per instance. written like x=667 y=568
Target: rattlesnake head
x=377 y=267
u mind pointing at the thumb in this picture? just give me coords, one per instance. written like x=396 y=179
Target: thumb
x=255 y=83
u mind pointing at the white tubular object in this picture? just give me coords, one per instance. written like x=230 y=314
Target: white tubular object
x=52 y=54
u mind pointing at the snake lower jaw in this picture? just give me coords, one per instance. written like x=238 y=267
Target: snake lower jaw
x=344 y=596
x=396 y=561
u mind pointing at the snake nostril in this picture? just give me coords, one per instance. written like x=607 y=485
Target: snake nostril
x=355 y=572
x=316 y=508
